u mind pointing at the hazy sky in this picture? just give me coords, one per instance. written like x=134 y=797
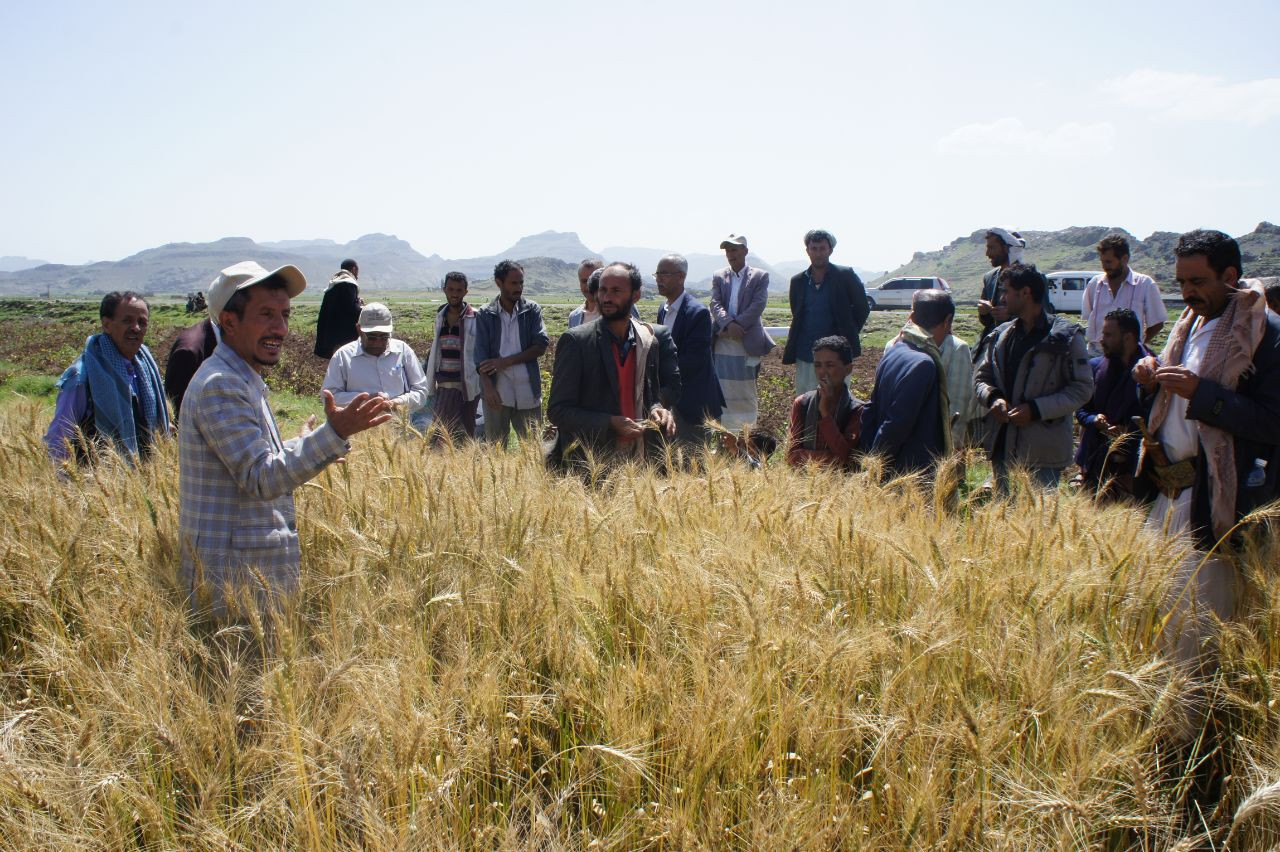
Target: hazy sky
x=463 y=126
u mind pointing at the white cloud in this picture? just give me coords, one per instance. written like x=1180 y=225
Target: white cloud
x=1197 y=97
x=1010 y=135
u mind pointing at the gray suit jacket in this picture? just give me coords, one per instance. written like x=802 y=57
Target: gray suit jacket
x=751 y=302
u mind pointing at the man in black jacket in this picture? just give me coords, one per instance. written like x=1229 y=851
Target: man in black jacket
x=825 y=299
x=339 y=310
x=615 y=381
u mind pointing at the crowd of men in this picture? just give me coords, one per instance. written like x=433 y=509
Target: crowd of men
x=1192 y=433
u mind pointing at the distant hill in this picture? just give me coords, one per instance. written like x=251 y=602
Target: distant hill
x=9 y=263
x=963 y=262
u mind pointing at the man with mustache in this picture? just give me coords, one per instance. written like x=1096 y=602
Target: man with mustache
x=615 y=381
x=1215 y=417
x=510 y=338
x=238 y=530
x=112 y=395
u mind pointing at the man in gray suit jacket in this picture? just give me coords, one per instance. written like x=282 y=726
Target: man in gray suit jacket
x=738 y=298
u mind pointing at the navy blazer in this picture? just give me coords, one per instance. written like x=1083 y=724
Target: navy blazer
x=700 y=393
x=902 y=419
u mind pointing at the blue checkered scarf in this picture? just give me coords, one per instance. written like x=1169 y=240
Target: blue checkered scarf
x=111 y=391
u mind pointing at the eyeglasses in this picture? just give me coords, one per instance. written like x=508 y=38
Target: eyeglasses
x=659 y=274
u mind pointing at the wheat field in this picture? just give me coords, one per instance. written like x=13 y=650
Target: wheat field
x=487 y=656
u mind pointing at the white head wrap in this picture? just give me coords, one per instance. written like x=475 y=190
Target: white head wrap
x=1015 y=241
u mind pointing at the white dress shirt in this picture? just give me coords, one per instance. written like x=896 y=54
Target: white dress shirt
x=1139 y=293
x=396 y=374
x=513 y=382
x=737 y=280
x=1180 y=436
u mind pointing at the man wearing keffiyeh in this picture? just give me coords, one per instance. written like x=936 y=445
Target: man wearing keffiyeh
x=113 y=394
x=1212 y=451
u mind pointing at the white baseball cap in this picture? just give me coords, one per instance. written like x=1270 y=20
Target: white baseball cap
x=246 y=273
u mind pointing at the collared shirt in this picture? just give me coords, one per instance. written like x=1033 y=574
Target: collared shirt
x=1138 y=293
x=737 y=280
x=396 y=374
x=626 y=344
x=673 y=310
x=1180 y=436
x=816 y=320
x=513 y=382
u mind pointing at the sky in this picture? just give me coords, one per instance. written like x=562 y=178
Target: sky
x=463 y=126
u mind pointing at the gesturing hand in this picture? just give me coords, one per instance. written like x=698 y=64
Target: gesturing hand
x=363 y=412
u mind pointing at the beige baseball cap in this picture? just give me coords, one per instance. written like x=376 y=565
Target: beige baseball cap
x=246 y=273
x=375 y=317
x=734 y=240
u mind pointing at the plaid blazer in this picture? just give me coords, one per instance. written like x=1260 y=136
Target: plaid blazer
x=236 y=479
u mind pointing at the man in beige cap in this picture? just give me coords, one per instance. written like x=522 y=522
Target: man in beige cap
x=236 y=520
x=738 y=298
x=377 y=364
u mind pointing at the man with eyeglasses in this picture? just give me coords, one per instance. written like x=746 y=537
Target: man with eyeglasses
x=690 y=324
x=377 y=364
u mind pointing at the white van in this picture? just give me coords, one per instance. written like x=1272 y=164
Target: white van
x=1066 y=290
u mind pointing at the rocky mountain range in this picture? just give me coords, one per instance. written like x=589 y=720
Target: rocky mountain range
x=551 y=259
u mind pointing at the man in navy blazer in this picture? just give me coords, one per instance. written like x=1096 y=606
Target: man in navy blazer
x=906 y=420
x=690 y=324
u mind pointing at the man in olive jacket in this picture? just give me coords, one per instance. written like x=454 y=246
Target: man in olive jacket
x=825 y=299
x=1032 y=378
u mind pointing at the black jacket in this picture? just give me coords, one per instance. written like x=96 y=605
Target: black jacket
x=584 y=390
x=848 y=305
x=339 y=313
x=189 y=350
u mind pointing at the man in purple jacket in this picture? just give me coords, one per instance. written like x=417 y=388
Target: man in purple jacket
x=1108 y=454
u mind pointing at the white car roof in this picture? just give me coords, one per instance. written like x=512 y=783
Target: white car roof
x=1073 y=273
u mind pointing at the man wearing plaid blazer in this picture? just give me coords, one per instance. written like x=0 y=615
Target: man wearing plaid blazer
x=236 y=474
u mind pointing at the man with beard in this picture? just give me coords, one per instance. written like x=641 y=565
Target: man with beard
x=615 y=381
x=690 y=325
x=1213 y=457
x=1004 y=248
x=237 y=525
x=1120 y=287
x=1108 y=452
x=1031 y=377
x=339 y=310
